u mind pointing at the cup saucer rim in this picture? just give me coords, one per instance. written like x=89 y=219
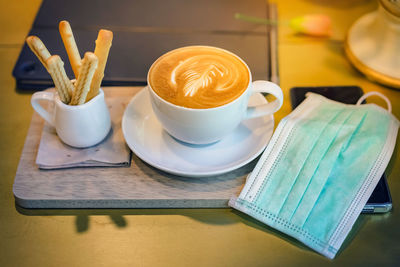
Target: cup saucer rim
x=132 y=142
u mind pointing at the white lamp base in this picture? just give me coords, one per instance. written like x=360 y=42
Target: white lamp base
x=373 y=47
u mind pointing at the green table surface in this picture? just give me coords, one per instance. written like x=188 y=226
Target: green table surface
x=185 y=237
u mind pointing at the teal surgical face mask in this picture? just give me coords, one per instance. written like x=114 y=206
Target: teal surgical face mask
x=319 y=169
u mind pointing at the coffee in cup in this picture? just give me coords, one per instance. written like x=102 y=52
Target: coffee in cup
x=200 y=93
x=199 y=77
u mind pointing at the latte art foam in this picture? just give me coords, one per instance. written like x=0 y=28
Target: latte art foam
x=199 y=77
x=201 y=73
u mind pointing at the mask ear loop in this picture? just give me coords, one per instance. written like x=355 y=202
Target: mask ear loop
x=365 y=96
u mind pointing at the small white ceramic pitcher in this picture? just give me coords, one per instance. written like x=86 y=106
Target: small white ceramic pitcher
x=78 y=126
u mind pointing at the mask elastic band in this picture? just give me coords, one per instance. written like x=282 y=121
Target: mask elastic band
x=365 y=96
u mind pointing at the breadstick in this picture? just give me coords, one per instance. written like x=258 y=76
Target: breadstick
x=103 y=44
x=64 y=87
x=38 y=48
x=70 y=45
x=89 y=65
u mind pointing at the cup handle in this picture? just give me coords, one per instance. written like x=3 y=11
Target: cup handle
x=269 y=108
x=35 y=102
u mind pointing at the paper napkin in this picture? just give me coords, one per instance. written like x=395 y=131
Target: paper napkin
x=111 y=152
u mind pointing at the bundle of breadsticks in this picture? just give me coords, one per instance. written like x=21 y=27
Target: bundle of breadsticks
x=89 y=71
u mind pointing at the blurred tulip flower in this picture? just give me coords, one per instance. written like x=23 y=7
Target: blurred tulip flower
x=314 y=25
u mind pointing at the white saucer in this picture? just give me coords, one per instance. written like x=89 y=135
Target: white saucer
x=150 y=142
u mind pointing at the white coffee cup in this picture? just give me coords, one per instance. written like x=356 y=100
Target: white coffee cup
x=78 y=126
x=208 y=125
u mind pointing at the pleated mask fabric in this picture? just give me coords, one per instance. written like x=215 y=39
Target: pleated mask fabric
x=319 y=169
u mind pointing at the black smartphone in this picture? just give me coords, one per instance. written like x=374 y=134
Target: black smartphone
x=380 y=200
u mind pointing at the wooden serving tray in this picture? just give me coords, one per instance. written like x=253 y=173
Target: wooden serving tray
x=137 y=186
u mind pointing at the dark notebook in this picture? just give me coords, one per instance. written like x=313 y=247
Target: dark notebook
x=144 y=30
